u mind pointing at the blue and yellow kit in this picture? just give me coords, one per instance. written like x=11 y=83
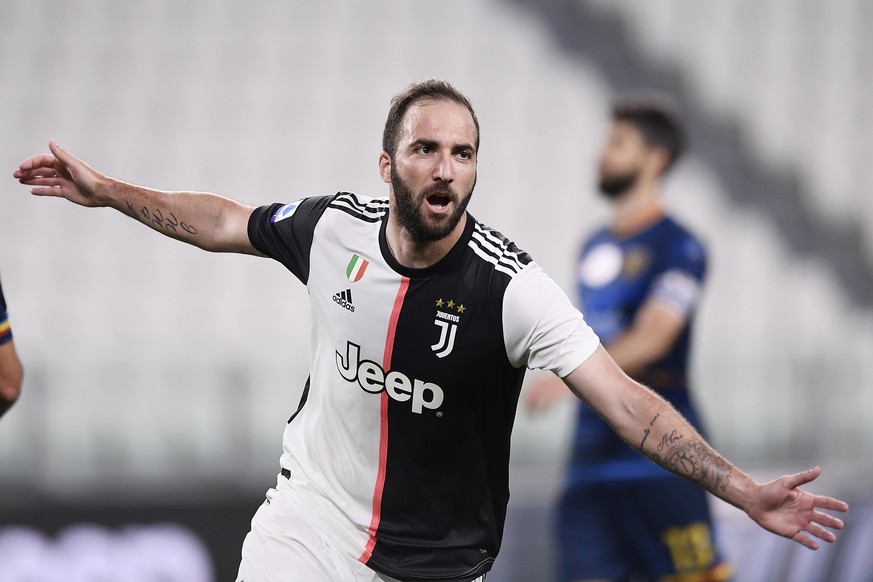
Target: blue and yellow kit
x=621 y=514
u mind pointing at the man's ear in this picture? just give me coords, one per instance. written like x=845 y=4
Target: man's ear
x=660 y=160
x=385 y=167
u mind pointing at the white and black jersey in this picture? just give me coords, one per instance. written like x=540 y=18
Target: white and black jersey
x=399 y=451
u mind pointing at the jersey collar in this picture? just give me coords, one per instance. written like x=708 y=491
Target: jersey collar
x=440 y=266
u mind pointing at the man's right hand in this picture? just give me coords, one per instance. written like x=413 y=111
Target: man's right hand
x=205 y=220
x=63 y=175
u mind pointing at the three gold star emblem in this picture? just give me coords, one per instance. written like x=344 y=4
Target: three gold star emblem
x=450 y=304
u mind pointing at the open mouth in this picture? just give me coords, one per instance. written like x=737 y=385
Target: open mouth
x=439 y=201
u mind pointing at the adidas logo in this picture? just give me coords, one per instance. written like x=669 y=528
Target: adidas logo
x=344 y=299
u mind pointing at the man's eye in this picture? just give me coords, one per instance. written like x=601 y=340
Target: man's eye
x=465 y=154
x=424 y=149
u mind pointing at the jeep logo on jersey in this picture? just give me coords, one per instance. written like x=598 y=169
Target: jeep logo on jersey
x=373 y=379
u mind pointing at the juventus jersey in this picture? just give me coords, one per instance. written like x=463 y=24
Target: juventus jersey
x=399 y=451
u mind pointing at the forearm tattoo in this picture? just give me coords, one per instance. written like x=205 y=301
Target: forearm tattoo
x=647 y=430
x=156 y=219
x=692 y=459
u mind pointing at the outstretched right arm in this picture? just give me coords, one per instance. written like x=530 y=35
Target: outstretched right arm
x=208 y=221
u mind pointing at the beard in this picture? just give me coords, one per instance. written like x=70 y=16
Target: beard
x=614 y=186
x=407 y=205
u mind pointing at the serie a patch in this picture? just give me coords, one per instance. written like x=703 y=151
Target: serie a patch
x=284 y=212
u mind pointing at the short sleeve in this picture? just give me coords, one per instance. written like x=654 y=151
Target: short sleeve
x=679 y=284
x=284 y=232
x=542 y=329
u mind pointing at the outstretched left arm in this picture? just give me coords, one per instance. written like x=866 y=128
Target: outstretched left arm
x=651 y=425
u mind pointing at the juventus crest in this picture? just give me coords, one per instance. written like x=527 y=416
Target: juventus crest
x=448 y=316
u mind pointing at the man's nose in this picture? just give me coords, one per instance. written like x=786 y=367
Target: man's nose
x=445 y=168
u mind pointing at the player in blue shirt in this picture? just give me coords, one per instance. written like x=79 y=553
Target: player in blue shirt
x=10 y=365
x=638 y=282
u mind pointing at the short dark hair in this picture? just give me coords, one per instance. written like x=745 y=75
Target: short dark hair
x=656 y=121
x=430 y=90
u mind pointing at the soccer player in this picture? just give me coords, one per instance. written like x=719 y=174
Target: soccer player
x=395 y=464
x=11 y=371
x=638 y=281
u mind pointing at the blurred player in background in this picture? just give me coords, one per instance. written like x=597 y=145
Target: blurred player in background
x=639 y=280
x=11 y=371
x=396 y=463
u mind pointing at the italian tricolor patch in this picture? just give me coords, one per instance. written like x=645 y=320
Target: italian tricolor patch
x=356 y=268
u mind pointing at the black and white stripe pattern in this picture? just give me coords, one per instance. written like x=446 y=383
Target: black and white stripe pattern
x=493 y=247
x=371 y=211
